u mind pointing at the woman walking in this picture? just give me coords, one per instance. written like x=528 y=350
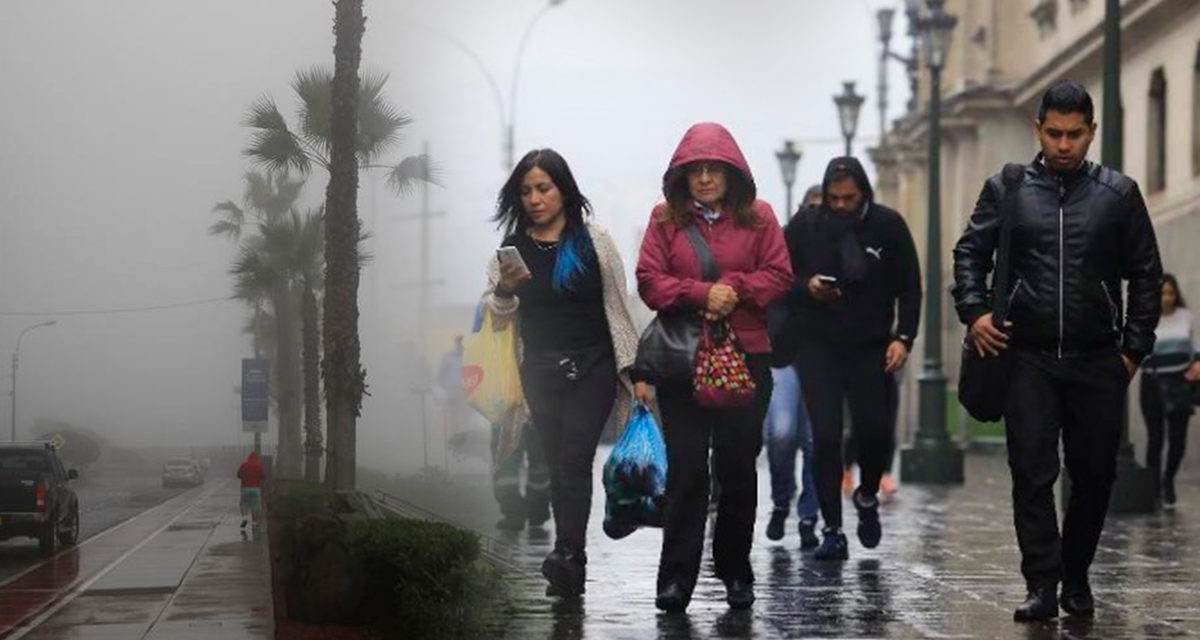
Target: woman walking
x=708 y=186
x=1165 y=395
x=577 y=342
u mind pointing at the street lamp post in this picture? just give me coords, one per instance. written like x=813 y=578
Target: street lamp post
x=789 y=157
x=509 y=140
x=933 y=458
x=885 y=17
x=848 y=104
x=15 y=358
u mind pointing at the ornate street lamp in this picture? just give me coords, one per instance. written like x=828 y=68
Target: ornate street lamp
x=848 y=104
x=789 y=157
x=933 y=457
x=15 y=359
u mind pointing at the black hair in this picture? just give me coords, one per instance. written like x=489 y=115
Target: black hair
x=576 y=254
x=1067 y=96
x=739 y=195
x=1169 y=278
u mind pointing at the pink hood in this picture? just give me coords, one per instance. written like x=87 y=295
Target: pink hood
x=708 y=141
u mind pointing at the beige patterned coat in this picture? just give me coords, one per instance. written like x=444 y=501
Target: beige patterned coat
x=620 y=326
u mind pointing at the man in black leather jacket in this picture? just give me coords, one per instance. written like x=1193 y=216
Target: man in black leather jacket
x=1079 y=230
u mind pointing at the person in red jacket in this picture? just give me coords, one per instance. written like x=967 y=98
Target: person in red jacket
x=709 y=184
x=251 y=474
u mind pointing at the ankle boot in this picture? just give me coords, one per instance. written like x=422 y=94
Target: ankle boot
x=1041 y=603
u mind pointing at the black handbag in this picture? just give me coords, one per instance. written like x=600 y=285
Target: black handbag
x=667 y=349
x=983 y=380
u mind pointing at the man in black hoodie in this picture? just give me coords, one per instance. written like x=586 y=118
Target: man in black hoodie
x=855 y=266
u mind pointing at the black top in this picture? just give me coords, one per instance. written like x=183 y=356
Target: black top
x=566 y=322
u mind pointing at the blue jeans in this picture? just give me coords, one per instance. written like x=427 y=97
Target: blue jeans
x=787 y=429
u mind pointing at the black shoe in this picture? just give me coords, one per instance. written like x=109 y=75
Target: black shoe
x=672 y=599
x=808 y=534
x=869 y=529
x=833 y=547
x=1041 y=603
x=739 y=593
x=1168 y=495
x=511 y=523
x=566 y=573
x=1077 y=599
x=775 y=526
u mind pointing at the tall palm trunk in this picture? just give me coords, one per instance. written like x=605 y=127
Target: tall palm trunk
x=287 y=360
x=312 y=384
x=345 y=378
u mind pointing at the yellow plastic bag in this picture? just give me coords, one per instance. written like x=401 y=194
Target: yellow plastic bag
x=490 y=376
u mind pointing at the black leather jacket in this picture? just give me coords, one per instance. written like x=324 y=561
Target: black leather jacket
x=1076 y=237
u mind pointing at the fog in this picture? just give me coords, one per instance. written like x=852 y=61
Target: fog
x=120 y=128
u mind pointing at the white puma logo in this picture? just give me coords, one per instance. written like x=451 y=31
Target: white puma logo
x=876 y=253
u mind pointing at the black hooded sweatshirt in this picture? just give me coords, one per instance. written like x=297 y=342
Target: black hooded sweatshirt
x=876 y=268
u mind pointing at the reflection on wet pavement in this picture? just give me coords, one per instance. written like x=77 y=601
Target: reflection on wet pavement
x=947 y=568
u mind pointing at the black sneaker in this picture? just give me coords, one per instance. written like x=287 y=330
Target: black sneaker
x=1168 y=495
x=775 y=526
x=739 y=593
x=672 y=599
x=833 y=547
x=869 y=529
x=808 y=534
x=566 y=573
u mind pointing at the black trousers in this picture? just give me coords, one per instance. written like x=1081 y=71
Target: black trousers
x=1083 y=398
x=851 y=375
x=736 y=437
x=570 y=402
x=850 y=446
x=1176 y=418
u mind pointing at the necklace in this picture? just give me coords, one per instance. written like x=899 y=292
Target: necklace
x=544 y=246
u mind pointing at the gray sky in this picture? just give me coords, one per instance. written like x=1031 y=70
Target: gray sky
x=120 y=124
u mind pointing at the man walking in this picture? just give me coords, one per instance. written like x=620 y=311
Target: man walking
x=1078 y=230
x=855 y=309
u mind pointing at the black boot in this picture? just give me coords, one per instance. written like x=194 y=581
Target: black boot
x=1041 y=603
x=775 y=526
x=672 y=599
x=1077 y=598
x=566 y=573
x=808 y=534
x=739 y=593
x=869 y=529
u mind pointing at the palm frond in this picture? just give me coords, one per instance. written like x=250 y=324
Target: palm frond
x=232 y=219
x=272 y=145
x=225 y=228
x=379 y=123
x=254 y=275
x=364 y=258
x=314 y=87
x=403 y=177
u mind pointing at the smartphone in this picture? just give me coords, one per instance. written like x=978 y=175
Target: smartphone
x=829 y=281
x=511 y=255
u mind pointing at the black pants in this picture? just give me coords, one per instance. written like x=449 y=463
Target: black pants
x=736 y=437
x=506 y=479
x=1176 y=416
x=570 y=402
x=850 y=447
x=854 y=375
x=1084 y=399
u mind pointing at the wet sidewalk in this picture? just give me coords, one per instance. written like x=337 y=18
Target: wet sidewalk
x=181 y=570
x=948 y=567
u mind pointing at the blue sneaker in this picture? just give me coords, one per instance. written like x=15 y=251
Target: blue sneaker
x=833 y=547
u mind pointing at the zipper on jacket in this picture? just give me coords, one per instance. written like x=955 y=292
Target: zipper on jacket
x=1112 y=306
x=1062 y=192
x=1013 y=295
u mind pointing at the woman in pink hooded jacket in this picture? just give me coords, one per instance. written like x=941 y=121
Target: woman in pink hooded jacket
x=709 y=184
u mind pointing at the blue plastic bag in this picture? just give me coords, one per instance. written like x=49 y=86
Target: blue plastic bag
x=635 y=477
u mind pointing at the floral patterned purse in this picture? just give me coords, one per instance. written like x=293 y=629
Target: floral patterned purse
x=722 y=379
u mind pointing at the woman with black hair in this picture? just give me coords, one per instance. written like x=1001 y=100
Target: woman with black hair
x=576 y=338
x=1165 y=395
x=710 y=193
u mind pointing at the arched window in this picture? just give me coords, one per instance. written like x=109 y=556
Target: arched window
x=1156 y=133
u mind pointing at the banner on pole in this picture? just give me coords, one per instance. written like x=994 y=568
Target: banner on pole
x=256 y=380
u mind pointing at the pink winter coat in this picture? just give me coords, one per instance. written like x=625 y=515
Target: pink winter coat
x=754 y=261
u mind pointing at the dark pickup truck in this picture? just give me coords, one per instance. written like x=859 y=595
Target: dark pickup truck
x=36 y=499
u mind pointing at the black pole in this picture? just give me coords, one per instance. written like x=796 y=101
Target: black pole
x=787 y=213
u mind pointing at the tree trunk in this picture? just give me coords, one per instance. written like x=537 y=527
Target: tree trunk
x=345 y=379
x=287 y=361
x=312 y=385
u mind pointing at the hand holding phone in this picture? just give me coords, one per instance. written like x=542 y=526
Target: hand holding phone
x=829 y=281
x=824 y=288
x=513 y=270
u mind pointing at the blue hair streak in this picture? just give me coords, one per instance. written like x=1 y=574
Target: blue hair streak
x=576 y=254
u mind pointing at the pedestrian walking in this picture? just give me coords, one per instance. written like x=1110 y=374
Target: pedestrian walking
x=1077 y=231
x=251 y=475
x=711 y=207
x=788 y=428
x=1168 y=374
x=561 y=278
x=856 y=309
x=519 y=507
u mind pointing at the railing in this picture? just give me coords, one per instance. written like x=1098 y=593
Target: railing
x=496 y=552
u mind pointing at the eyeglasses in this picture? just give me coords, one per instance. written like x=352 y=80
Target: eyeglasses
x=698 y=168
